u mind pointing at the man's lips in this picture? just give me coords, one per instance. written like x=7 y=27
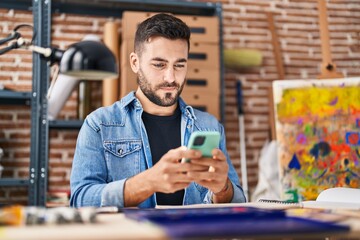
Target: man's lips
x=168 y=88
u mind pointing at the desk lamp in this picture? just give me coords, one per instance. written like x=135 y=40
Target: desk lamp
x=89 y=60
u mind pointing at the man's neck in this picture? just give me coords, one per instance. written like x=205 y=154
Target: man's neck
x=152 y=108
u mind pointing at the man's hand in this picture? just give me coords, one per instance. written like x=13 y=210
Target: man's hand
x=212 y=173
x=167 y=176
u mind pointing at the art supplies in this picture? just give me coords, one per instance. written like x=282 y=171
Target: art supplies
x=19 y=215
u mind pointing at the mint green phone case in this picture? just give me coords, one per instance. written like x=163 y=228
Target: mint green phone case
x=205 y=141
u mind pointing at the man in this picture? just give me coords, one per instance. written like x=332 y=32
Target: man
x=128 y=154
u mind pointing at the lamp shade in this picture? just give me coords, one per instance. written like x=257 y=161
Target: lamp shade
x=90 y=60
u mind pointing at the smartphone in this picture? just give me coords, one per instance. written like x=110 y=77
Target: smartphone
x=204 y=141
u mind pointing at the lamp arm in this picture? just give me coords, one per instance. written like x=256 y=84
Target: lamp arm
x=8 y=48
x=18 y=44
x=22 y=43
x=52 y=54
x=46 y=52
x=12 y=36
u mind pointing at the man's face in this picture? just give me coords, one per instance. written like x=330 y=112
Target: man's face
x=162 y=70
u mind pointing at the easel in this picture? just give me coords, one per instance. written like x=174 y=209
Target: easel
x=328 y=68
x=280 y=69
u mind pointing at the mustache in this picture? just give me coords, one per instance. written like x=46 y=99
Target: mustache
x=173 y=84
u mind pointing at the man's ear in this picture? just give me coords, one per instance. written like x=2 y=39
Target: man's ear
x=134 y=62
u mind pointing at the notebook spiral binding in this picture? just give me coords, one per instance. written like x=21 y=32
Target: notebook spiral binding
x=277 y=201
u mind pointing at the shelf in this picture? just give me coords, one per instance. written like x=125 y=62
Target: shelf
x=115 y=8
x=9 y=182
x=65 y=124
x=15 y=98
x=42 y=11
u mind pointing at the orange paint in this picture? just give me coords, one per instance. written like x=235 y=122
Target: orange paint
x=340 y=148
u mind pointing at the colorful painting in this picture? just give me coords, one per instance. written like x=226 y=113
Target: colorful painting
x=318 y=132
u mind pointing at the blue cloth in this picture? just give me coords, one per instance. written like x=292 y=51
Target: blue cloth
x=112 y=146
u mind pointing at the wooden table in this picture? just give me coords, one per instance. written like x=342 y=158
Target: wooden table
x=116 y=226
x=108 y=227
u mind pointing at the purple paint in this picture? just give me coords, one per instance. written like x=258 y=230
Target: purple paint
x=301 y=138
x=334 y=101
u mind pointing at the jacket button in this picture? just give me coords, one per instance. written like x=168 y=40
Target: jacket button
x=120 y=151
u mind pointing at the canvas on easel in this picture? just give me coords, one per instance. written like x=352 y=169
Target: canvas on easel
x=318 y=131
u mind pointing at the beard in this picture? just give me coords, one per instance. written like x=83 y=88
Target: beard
x=168 y=100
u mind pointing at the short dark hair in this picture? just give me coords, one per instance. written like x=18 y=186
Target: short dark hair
x=162 y=25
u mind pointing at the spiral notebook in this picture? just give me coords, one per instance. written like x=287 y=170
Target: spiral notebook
x=278 y=204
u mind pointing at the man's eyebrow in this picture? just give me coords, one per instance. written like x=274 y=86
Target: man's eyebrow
x=182 y=60
x=159 y=59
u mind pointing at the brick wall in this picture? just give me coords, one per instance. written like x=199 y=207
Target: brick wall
x=244 y=26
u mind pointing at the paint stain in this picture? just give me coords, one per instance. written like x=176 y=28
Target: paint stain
x=308 y=159
x=340 y=148
x=300 y=121
x=319 y=174
x=301 y=138
x=333 y=137
x=347 y=181
x=352 y=138
x=334 y=101
x=308 y=130
x=294 y=163
x=320 y=149
x=357 y=153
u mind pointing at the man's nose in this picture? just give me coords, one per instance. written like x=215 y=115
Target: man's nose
x=169 y=75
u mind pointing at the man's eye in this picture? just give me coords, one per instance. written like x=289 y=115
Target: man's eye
x=158 y=65
x=179 y=65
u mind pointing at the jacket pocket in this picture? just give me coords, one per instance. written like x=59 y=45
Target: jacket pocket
x=122 y=158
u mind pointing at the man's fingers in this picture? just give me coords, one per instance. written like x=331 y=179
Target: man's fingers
x=203 y=175
x=218 y=154
x=176 y=154
x=207 y=162
x=178 y=178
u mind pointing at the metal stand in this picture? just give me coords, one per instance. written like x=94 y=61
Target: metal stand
x=39 y=122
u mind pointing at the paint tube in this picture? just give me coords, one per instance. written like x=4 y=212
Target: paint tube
x=11 y=215
x=20 y=215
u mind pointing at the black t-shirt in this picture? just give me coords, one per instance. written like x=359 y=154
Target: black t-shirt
x=164 y=134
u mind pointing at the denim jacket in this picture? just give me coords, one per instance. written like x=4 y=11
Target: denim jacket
x=113 y=146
